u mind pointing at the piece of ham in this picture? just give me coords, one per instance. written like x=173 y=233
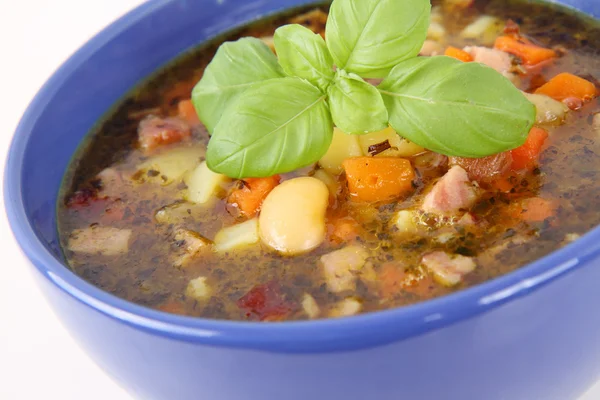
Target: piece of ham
x=448 y=270
x=486 y=169
x=106 y=241
x=496 y=59
x=451 y=194
x=154 y=132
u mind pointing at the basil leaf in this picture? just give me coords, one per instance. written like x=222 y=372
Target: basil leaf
x=275 y=127
x=356 y=106
x=236 y=67
x=304 y=54
x=455 y=108
x=370 y=37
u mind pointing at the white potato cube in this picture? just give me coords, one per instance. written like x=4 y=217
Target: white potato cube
x=342 y=267
x=237 y=236
x=548 y=110
x=173 y=164
x=347 y=308
x=203 y=184
x=401 y=147
x=343 y=146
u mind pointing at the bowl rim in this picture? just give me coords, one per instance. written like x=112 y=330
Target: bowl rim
x=326 y=335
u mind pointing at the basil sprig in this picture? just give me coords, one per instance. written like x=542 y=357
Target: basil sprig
x=273 y=114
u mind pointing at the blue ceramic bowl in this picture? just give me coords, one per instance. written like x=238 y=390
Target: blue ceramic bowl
x=533 y=334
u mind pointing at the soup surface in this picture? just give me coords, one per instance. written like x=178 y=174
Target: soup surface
x=140 y=218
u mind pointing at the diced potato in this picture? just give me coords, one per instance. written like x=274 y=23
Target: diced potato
x=571 y=237
x=171 y=165
x=198 y=288
x=484 y=29
x=400 y=146
x=431 y=48
x=549 y=111
x=436 y=31
x=204 y=184
x=596 y=123
x=310 y=306
x=191 y=243
x=342 y=147
x=332 y=184
x=406 y=222
x=237 y=236
x=346 y=308
x=342 y=267
x=106 y=241
x=448 y=270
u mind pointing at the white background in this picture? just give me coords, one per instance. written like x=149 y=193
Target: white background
x=38 y=359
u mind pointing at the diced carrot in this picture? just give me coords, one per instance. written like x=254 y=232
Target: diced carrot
x=378 y=179
x=249 y=198
x=458 y=54
x=535 y=209
x=187 y=112
x=529 y=53
x=526 y=156
x=566 y=85
x=343 y=230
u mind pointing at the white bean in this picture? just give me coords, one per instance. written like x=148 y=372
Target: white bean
x=292 y=220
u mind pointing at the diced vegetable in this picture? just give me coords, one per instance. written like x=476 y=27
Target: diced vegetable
x=342 y=267
x=101 y=240
x=525 y=156
x=310 y=306
x=451 y=194
x=171 y=165
x=401 y=146
x=596 y=123
x=484 y=29
x=249 y=198
x=458 y=54
x=237 y=236
x=448 y=270
x=571 y=237
x=292 y=220
x=342 y=147
x=191 y=243
x=564 y=86
x=535 y=209
x=203 y=184
x=346 y=308
x=198 y=288
x=529 y=54
x=549 y=111
x=154 y=132
x=406 y=222
x=436 y=31
x=431 y=48
x=329 y=180
x=378 y=179
x=266 y=302
x=187 y=112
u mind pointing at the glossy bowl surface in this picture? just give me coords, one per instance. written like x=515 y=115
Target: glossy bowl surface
x=532 y=334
